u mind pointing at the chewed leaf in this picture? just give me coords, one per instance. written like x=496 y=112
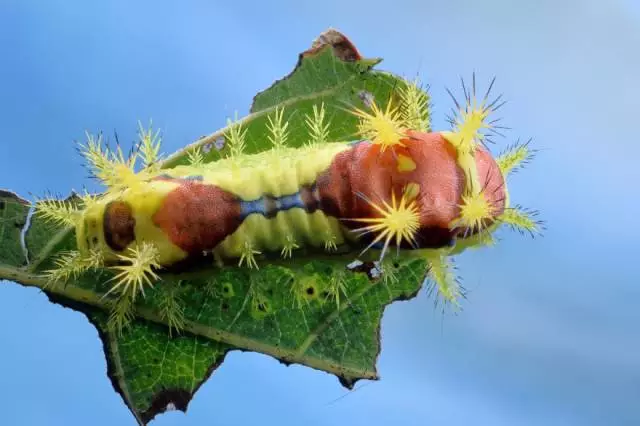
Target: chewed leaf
x=161 y=347
x=212 y=250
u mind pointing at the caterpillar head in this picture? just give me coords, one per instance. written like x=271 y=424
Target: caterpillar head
x=107 y=226
x=117 y=223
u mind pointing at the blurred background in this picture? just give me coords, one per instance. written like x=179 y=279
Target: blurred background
x=549 y=333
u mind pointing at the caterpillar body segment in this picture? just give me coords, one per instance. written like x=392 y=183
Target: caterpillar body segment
x=428 y=192
x=312 y=200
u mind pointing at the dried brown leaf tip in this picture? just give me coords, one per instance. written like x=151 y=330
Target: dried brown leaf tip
x=342 y=46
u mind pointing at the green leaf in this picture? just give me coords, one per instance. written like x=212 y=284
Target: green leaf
x=322 y=75
x=313 y=311
x=13 y=216
x=152 y=371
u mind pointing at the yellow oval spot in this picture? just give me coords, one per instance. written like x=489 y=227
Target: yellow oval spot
x=405 y=164
x=411 y=191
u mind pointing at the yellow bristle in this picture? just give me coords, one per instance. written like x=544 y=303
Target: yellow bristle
x=98 y=161
x=137 y=271
x=336 y=288
x=398 y=221
x=58 y=212
x=279 y=129
x=72 y=264
x=289 y=246
x=388 y=275
x=415 y=107
x=521 y=220
x=330 y=241
x=442 y=275
x=88 y=200
x=248 y=255
x=171 y=311
x=236 y=138
x=122 y=313
x=471 y=122
x=474 y=211
x=514 y=158
x=112 y=168
x=94 y=259
x=195 y=156
x=126 y=178
x=385 y=128
x=149 y=146
x=318 y=128
x=68 y=264
x=466 y=132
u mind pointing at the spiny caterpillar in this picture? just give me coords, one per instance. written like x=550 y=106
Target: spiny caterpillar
x=402 y=186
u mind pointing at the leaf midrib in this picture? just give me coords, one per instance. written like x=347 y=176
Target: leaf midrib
x=44 y=253
x=114 y=351
x=93 y=299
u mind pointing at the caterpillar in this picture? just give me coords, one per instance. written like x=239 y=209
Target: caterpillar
x=399 y=186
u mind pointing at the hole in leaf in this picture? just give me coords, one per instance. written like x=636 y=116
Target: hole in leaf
x=227 y=290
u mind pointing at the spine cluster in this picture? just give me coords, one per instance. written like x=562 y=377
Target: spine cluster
x=397 y=217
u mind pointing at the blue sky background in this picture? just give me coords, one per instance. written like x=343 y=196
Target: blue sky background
x=550 y=333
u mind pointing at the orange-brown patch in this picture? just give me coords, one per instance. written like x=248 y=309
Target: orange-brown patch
x=405 y=164
x=366 y=170
x=197 y=217
x=119 y=225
